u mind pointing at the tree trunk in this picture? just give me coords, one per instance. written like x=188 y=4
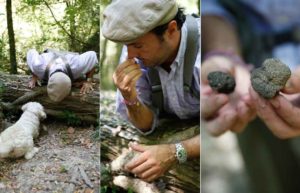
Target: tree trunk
x=103 y=52
x=11 y=36
x=199 y=7
x=72 y=43
x=75 y=108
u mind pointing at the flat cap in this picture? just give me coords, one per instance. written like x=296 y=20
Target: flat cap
x=126 y=20
x=59 y=86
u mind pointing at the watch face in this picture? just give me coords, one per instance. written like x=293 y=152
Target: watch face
x=181 y=153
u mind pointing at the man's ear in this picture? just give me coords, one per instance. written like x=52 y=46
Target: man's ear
x=172 y=28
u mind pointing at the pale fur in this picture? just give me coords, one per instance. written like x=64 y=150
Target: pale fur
x=17 y=140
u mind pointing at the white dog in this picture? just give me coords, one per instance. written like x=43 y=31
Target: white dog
x=17 y=140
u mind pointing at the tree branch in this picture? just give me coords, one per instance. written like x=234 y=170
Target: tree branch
x=61 y=26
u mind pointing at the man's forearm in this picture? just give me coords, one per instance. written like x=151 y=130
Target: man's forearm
x=90 y=73
x=219 y=34
x=140 y=116
x=192 y=146
x=34 y=77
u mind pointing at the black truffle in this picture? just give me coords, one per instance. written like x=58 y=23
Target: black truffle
x=221 y=82
x=270 y=78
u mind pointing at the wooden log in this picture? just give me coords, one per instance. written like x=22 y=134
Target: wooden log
x=14 y=92
x=181 y=178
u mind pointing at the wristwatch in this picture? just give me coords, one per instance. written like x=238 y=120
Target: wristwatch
x=181 y=154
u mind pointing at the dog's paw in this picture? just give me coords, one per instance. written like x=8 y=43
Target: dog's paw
x=4 y=150
x=31 y=153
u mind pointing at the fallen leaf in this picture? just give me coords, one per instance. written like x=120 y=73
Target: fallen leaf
x=71 y=130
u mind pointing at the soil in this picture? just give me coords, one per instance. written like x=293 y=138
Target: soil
x=68 y=161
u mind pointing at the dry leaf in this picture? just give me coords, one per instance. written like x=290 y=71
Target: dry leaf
x=71 y=130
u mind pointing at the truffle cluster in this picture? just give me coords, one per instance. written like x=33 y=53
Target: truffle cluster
x=270 y=78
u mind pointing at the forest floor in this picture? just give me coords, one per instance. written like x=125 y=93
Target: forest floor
x=67 y=161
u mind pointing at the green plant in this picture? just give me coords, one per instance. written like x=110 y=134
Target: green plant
x=130 y=190
x=72 y=118
x=95 y=136
x=63 y=169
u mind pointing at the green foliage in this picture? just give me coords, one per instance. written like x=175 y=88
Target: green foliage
x=63 y=169
x=106 y=176
x=4 y=55
x=130 y=190
x=33 y=2
x=104 y=189
x=95 y=136
x=2 y=88
x=65 y=25
x=71 y=118
x=107 y=189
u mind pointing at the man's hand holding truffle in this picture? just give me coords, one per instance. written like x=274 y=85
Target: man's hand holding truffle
x=281 y=113
x=224 y=112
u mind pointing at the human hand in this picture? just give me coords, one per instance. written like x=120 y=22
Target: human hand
x=153 y=161
x=292 y=86
x=87 y=87
x=225 y=112
x=125 y=78
x=281 y=114
x=32 y=82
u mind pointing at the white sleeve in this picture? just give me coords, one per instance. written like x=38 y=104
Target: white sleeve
x=35 y=63
x=83 y=63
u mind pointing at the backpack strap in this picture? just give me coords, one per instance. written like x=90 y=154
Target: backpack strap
x=190 y=56
x=68 y=68
x=67 y=65
x=156 y=88
x=46 y=73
